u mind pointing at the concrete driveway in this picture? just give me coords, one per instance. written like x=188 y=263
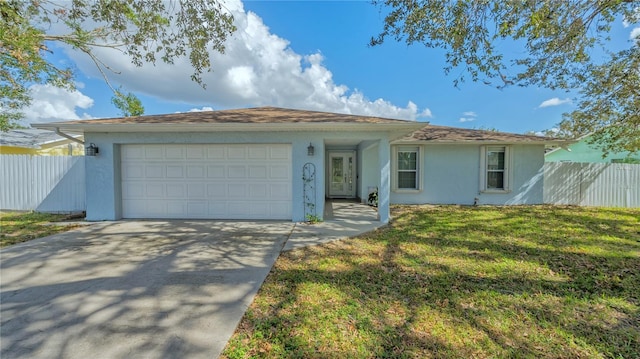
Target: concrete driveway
x=156 y=289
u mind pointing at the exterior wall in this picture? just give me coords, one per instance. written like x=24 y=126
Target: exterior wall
x=10 y=150
x=583 y=152
x=103 y=171
x=62 y=150
x=369 y=175
x=452 y=176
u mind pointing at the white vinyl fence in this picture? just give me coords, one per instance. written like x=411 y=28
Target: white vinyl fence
x=42 y=183
x=592 y=184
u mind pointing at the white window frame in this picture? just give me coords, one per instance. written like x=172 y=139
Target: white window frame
x=507 y=175
x=395 y=170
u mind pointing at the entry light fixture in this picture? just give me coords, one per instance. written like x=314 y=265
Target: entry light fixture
x=92 y=150
x=310 y=150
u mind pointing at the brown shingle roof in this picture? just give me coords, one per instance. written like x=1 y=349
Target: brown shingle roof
x=444 y=134
x=237 y=116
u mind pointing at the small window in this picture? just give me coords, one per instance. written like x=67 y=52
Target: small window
x=407 y=162
x=495 y=169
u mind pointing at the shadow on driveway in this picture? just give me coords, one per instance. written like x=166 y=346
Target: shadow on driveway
x=153 y=289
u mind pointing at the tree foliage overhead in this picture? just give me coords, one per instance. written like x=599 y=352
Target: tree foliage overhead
x=564 y=45
x=145 y=30
x=127 y=103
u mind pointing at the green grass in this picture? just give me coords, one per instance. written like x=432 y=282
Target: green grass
x=17 y=227
x=457 y=282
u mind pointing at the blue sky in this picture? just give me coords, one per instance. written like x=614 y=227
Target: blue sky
x=312 y=55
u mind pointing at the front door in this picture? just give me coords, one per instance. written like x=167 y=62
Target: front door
x=342 y=174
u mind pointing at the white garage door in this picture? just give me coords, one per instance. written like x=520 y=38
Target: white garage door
x=239 y=181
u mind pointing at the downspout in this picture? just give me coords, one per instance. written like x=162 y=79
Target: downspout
x=57 y=131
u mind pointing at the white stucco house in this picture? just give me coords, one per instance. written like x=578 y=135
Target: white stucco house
x=275 y=163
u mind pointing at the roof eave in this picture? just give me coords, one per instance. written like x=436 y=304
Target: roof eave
x=482 y=142
x=229 y=127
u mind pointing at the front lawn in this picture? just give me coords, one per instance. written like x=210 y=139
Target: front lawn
x=17 y=227
x=457 y=282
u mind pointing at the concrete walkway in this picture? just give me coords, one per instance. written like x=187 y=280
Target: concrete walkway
x=342 y=219
x=148 y=289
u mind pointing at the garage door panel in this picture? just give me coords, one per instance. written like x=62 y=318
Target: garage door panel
x=215 y=152
x=196 y=191
x=154 y=171
x=258 y=191
x=279 y=172
x=278 y=207
x=195 y=152
x=280 y=190
x=236 y=171
x=175 y=190
x=197 y=209
x=195 y=171
x=258 y=152
x=176 y=209
x=280 y=153
x=257 y=172
x=155 y=190
x=236 y=152
x=175 y=171
x=236 y=190
x=132 y=172
x=217 y=190
x=215 y=171
x=152 y=152
x=133 y=190
x=173 y=153
x=239 y=181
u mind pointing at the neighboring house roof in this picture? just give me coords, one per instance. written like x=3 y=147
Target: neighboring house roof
x=445 y=134
x=581 y=150
x=260 y=119
x=32 y=138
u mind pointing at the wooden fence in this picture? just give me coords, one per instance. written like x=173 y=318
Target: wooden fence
x=592 y=184
x=42 y=183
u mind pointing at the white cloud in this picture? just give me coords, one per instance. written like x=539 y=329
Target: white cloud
x=426 y=113
x=203 y=109
x=635 y=34
x=554 y=102
x=50 y=103
x=468 y=116
x=549 y=133
x=258 y=69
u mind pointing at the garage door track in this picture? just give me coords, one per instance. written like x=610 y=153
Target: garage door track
x=152 y=289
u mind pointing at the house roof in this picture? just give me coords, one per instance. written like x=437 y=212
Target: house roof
x=445 y=134
x=259 y=119
x=282 y=119
x=32 y=138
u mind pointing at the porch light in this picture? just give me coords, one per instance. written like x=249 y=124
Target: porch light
x=310 y=150
x=92 y=150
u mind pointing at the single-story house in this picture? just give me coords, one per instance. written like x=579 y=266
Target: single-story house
x=583 y=151
x=39 y=143
x=275 y=163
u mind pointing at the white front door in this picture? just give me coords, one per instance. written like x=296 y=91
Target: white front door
x=342 y=174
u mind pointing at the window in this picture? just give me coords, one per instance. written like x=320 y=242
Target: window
x=407 y=161
x=495 y=169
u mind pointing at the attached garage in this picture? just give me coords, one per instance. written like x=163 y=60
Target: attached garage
x=212 y=181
